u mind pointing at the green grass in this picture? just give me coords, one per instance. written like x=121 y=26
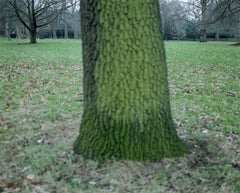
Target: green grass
x=204 y=80
x=47 y=73
x=40 y=112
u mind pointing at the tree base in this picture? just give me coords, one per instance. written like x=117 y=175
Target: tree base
x=120 y=142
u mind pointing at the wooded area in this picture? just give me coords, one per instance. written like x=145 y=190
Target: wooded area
x=189 y=19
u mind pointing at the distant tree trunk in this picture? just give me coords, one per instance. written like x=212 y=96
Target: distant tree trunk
x=217 y=36
x=76 y=23
x=33 y=24
x=18 y=33
x=65 y=21
x=75 y=27
x=54 y=34
x=7 y=34
x=33 y=35
x=80 y=31
x=239 y=29
x=203 y=31
x=126 y=97
x=65 y=31
x=53 y=27
x=203 y=34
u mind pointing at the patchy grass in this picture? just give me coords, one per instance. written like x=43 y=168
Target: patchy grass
x=204 y=80
x=40 y=110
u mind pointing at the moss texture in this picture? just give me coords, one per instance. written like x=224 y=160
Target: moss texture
x=126 y=97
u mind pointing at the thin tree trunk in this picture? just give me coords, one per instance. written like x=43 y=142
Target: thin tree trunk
x=75 y=26
x=203 y=31
x=18 y=33
x=7 y=34
x=65 y=22
x=203 y=34
x=126 y=97
x=53 y=27
x=65 y=29
x=75 y=17
x=33 y=24
x=217 y=36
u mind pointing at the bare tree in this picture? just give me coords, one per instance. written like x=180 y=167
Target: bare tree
x=226 y=9
x=225 y=15
x=34 y=14
x=199 y=11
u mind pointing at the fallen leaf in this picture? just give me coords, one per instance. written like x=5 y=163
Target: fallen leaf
x=33 y=180
x=10 y=184
x=19 y=155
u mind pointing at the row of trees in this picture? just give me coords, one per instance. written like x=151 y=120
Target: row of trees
x=189 y=19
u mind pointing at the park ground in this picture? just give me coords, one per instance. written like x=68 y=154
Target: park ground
x=40 y=114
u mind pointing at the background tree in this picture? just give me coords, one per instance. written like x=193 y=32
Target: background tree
x=126 y=97
x=71 y=20
x=172 y=19
x=203 y=31
x=34 y=14
x=65 y=22
x=226 y=15
x=198 y=10
x=75 y=18
x=214 y=17
x=5 y=18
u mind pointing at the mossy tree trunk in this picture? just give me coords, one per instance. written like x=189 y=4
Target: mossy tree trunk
x=126 y=97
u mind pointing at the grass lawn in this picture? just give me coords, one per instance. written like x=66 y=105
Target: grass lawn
x=40 y=112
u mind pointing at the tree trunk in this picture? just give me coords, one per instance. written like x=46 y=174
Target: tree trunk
x=65 y=21
x=217 y=36
x=53 y=27
x=65 y=29
x=203 y=35
x=76 y=26
x=203 y=31
x=126 y=97
x=33 y=24
x=54 y=34
x=33 y=36
x=7 y=34
x=18 y=33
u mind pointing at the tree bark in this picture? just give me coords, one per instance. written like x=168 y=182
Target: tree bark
x=126 y=97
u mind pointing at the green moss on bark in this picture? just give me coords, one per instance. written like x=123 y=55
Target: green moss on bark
x=126 y=102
